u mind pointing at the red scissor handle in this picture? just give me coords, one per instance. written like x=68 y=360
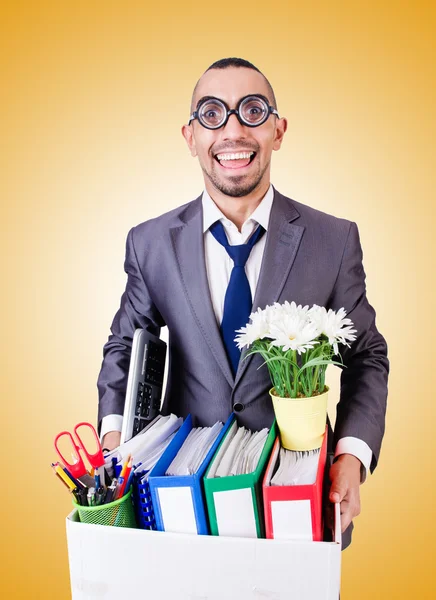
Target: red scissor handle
x=77 y=468
x=96 y=460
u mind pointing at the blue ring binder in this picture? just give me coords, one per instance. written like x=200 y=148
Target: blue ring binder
x=142 y=502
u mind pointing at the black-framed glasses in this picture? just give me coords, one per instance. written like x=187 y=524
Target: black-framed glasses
x=251 y=111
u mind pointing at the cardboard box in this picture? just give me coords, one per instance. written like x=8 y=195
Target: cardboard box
x=111 y=563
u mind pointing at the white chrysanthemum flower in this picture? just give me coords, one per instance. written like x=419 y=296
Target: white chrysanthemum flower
x=293 y=309
x=334 y=325
x=294 y=332
x=258 y=329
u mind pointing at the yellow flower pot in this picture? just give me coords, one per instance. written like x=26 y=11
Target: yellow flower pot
x=301 y=421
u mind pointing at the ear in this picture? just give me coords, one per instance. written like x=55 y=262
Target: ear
x=281 y=127
x=189 y=137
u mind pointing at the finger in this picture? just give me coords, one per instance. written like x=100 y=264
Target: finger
x=349 y=510
x=338 y=488
x=346 y=516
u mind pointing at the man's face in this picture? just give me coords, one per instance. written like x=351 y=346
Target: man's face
x=234 y=178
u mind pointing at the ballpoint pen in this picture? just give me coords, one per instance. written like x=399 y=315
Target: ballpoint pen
x=110 y=492
x=91 y=496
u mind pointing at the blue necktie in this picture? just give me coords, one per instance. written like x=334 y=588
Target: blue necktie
x=237 y=302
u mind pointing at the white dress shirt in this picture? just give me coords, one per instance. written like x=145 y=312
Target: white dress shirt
x=219 y=266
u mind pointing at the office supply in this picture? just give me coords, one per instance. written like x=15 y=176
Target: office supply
x=295 y=511
x=110 y=492
x=144 y=383
x=76 y=494
x=242 y=455
x=125 y=476
x=118 y=513
x=63 y=481
x=73 y=479
x=194 y=449
x=63 y=476
x=83 y=493
x=97 y=480
x=296 y=467
x=91 y=494
x=178 y=501
x=146 y=441
x=77 y=468
x=141 y=489
x=234 y=502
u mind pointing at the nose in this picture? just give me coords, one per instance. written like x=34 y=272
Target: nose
x=233 y=128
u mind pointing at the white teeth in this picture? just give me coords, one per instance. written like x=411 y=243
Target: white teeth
x=234 y=156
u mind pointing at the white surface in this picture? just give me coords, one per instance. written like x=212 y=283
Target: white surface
x=177 y=509
x=235 y=513
x=167 y=566
x=291 y=520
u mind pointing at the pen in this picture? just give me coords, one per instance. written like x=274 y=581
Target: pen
x=76 y=494
x=83 y=495
x=110 y=492
x=91 y=496
x=107 y=479
x=99 y=496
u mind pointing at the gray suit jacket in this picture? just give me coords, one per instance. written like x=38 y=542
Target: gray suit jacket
x=310 y=257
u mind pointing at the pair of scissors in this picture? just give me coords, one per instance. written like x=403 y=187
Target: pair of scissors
x=77 y=468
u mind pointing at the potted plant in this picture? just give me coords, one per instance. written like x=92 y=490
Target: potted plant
x=297 y=344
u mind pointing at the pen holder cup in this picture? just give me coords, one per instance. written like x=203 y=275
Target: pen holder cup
x=119 y=513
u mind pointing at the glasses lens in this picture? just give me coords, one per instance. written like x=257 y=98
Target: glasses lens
x=254 y=110
x=212 y=113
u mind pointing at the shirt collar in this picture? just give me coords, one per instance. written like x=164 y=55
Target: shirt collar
x=211 y=212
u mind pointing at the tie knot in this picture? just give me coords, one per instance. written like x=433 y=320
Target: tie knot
x=239 y=253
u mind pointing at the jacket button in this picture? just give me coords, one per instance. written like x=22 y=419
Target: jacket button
x=238 y=407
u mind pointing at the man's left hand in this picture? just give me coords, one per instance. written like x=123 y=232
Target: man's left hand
x=345 y=478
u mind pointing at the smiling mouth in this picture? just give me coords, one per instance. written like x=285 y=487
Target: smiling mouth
x=235 y=160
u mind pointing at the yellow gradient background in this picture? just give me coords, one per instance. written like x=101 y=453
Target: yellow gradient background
x=93 y=96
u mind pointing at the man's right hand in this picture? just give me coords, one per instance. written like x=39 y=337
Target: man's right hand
x=111 y=440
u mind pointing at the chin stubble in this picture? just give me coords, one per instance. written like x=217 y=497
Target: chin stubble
x=237 y=189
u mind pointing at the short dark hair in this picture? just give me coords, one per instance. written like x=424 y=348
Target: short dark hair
x=225 y=63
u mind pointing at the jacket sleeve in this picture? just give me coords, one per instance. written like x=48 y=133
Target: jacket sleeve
x=362 y=405
x=137 y=310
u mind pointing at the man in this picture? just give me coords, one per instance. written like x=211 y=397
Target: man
x=180 y=270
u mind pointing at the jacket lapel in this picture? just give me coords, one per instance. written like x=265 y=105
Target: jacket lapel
x=282 y=242
x=188 y=248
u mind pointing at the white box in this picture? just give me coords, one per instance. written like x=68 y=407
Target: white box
x=112 y=563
